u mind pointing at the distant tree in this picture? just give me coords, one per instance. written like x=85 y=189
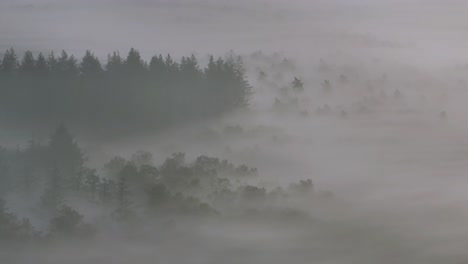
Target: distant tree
x=52 y=63
x=131 y=177
x=62 y=62
x=9 y=62
x=172 y=67
x=28 y=64
x=134 y=64
x=12 y=229
x=67 y=66
x=92 y=183
x=171 y=164
x=72 y=66
x=243 y=87
x=157 y=65
x=149 y=173
x=228 y=85
x=298 y=85
x=115 y=166
x=123 y=211
x=7 y=220
x=128 y=95
x=303 y=187
x=41 y=64
x=211 y=68
x=114 y=63
x=158 y=196
x=68 y=222
x=90 y=67
x=189 y=67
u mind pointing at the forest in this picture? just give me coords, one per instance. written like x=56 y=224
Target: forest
x=125 y=94
x=51 y=180
x=219 y=131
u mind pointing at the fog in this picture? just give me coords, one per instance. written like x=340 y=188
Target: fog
x=429 y=32
x=340 y=135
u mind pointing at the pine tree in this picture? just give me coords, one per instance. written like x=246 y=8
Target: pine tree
x=72 y=66
x=41 y=64
x=62 y=62
x=128 y=93
x=114 y=63
x=10 y=61
x=90 y=66
x=244 y=89
x=28 y=64
x=298 y=85
x=189 y=67
x=52 y=63
x=172 y=67
x=157 y=65
x=134 y=64
x=67 y=65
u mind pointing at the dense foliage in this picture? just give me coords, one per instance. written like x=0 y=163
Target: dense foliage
x=124 y=93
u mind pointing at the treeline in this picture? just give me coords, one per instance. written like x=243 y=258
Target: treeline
x=122 y=93
x=53 y=185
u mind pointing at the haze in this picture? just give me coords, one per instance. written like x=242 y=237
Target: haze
x=328 y=131
x=417 y=31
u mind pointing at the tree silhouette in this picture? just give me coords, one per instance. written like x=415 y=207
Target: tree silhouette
x=114 y=63
x=90 y=67
x=126 y=95
x=28 y=64
x=10 y=61
x=134 y=64
x=298 y=85
x=41 y=64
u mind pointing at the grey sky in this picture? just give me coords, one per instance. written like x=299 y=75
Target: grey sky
x=424 y=31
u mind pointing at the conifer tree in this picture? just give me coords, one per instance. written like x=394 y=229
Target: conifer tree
x=28 y=64
x=9 y=62
x=90 y=67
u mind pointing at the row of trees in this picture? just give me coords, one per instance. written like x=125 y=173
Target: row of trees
x=54 y=182
x=125 y=92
